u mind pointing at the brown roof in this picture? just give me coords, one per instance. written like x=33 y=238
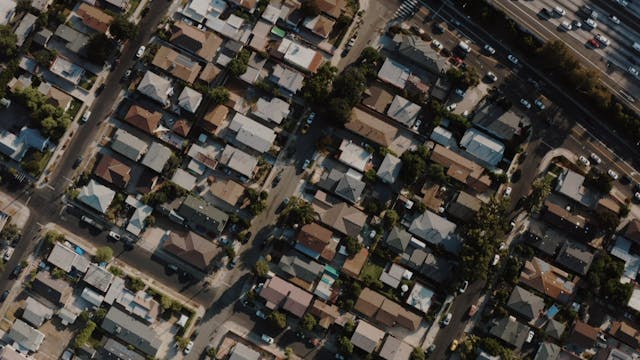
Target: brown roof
x=58 y=98
x=278 y=292
x=354 y=265
x=143 y=119
x=461 y=168
x=583 y=335
x=209 y=73
x=325 y=312
x=202 y=43
x=215 y=117
x=317 y=238
x=377 y=99
x=369 y=302
x=178 y=65
x=317 y=60
x=323 y=26
x=367 y=337
x=182 y=127
x=147 y=181
x=409 y=320
x=632 y=231
x=548 y=279
x=388 y=312
x=94 y=18
x=227 y=190
x=332 y=8
x=247 y=4
x=344 y=218
x=371 y=127
x=625 y=333
x=113 y=171
x=192 y=248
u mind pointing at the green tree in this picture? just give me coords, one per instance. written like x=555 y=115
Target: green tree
x=390 y=219
x=369 y=176
x=338 y=110
x=278 y=320
x=51 y=237
x=44 y=57
x=604 y=281
x=345 y=346
x=540 y=190
x=136 y=284
x=608 y=221
x=309 y=322
x=436 y=173
x=352 y=245
x=317 y=87
x=262 y=268
x=121 y=28
x=414 y=165
x=349 y=327
x=99 y=48
x=150 y=220
x=11 y=233
x=310 y=8
x=8 y=42
x=103 y=254
x=598 y=180
x=349 y=86
x=298 y=212
x=238 y=65
x=417 y=353
x=218 y=95
x=84 y=334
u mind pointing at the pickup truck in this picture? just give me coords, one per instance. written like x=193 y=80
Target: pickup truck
x=93 y=223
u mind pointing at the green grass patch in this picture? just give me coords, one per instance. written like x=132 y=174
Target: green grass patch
x=372 y=271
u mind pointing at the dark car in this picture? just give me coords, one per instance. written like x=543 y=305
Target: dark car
x=4 y=296
x=17 y=271
x=544 y=14
x=438 y=29
x=77 y=162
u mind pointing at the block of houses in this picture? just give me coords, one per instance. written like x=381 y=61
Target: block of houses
x=241 y=351
x=282 y=294
x=140 y=304
x=420 y=52
x=377 y=98
x=394 y=349
x=155 y=87
x=326 y=313
x=394 y=274
x=137 y=221
x=189 y=99
x=66 y=70
x=238 y=161
x=464 y=206
x=525 y=304
x=94 y=18
x=202 y=217
x=131 y=331
x=228 y=191
x=387 y=312
x=389 y=169
x=7 y=10
x=398 y=239
x=113 y=171
x=299 y=56
x=35 y=313
x=632 y=231
x=204 y=44
x=119 y=5
x=210 y=73
x=74 y=40
x=549 y=280
x=98 y=277
x=117 y=350
x=626 y=333
x=96 y=196
x=371 y=127
x=156 y=157
x=202 y=10
x=353 y=265
x=461 y=168
x=274 y=110
x=296 y=267
x=437 y=269
x=554 y=329
x=26 y=336
x=339 y=216
x=394 y=73
x=512 y=332
x=128 y=145
x=65 y=258
x=316 y=241
x=179 y=65
x=348 y=186
x=537 y=238
x=251 y=133
x=367 y=337
x=437 y=231
x=143 y=119
x=289 y=81
x=548 y=351
x=403 y=111
x=502 y=125
x=420 y=298
x=56 y=291
x=442 y=136
x=354 y=155
x=573 y=224
x=575 y=257
x=55 y=96
x=214 y=118
x=482 y=147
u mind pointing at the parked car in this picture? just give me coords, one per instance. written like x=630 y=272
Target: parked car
x=473 y=309
x=539 y=104
x=268 y=339
x=261 y=315
x=447 y=319
x=489 y=49
x=77 y=162
x=507 y=192
x=17 y=271
x=514 y=60
x=463 y=288
x=141 y=51
x=614 y=19
x=591 y=23
x=451 y=107
x=306 y=164
x=310 y=118
x=603 y=40
x=566 y=25
x=491 y=77
x=7 y=254
x=85 y=117
x=114 y=235
x=614 y=175
x=187 y=349
x=530 y=336
x=584 y=161
x=4 y=296
x=454 y=345
x=416 y=125
x=594 y=43
x=559 y=11
x=437 y=45
x=576 y=24
x=525 y=103
x=633 y=71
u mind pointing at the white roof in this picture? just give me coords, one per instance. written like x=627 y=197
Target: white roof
x=296 y=54
x=482 y=147
x=420 y=297
x=271 y=14
x=238 y=161
x=36 y=313
x=235 y=21
x=184 y=179
x=622 y=250
x=92 y=297
x=65 y=258
x=189 y=99
x=136 y=222
x=67 y=70
x=24 y=28
x=442 y=136
x=11 y=145
x=251 y=133
x=403 y=111
x=96 y=196
x=570 y=184
x=354 y=155
x=128 y=145
x=155 y=87
x=7 y=9
x=274 y=110
x=25 y=336
x=156 y=157
x=394 y=73
x=389 y=169
x=634 y=300
x=287 y=79
x=366 y=336
x=197 y=9
x=117 y=286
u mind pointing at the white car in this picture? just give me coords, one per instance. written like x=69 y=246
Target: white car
x=584 y=161
x=188 y=348
x=489 y=49
x=566 y=25
x=492 y=77
x=306 y=164
x=114 y=235
x=637 y=196
x=268 y=339
x=507 y=192
x=141 y=51
x=464 y=287
x=310 y=118
x=417 y=124
x=622 y=2
x=7 y=254
x=633 y=71
x=560 y=11
x=538 y=103
x=530 y=336
x=85 y=116
x=514 y=60
x=496 y=260
x=603 y=40
x=447 y=319
x=591 y=23
x=261 y=315
x=525 y=103
x=595 y=158
x=614 y=20
x=614 y=175
x=437 y=45
x=451 y=107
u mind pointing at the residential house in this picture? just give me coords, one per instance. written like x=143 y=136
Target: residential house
x=228 y=191
x=66 y=70
x=306 y=270
x=74 y=40
x=394 y=349
x=8 y=351
x=548 y=351
x=280 y=293
x=210 y=73
x=143 y=119
x=398 y=239
x=55 y=96
x=394 y=274
x=119 y=5
x=155 y=87
x=387 y=312
x=371 y=127
x=420 y=298
x=140 y=304
x=537 y=238
x=113 y=171
x=583 y=336
x=189 y=99
x=464 y=206
x=274 y=110
x=299 y=56
x=56 y=291
x=65 y=258
x=626 y=333
x=156 y=157
x=348 y=186
x=575 y=225
x=482 y=147
x=510 y=331
x=377 y=98
x=461 y=168
x=389 y=169
x=571 y=185
x=289 y=81
x=241 y=351
x=25 y=27
x=436 y=230
x=202 y=217
x=575 y=257
x=204 y=10
x=146 y=182
x=94 y=18
x=525 y=304
x=214 y=119
x=554 y=329
x=260 y=34
x=35 y=313
x=416 y=88
x=184 y=179
x=403 y=111
x=421 y=53
x=117 y=350
x=369 y=302
x=437 y=269
x=394 y=73
x=332 y=8
x=179 y=65
x=632 y=231
x=251 y=133
x=315 y=241
x=128 y=145
x=443 y=137
x=367 y=337
x=326 y=314
x=25 y=336
x=353 y=265
x=96 y=196
x=354 y=155
x=7 y=10
x=16 y=147
x=137 y=221
x=204 y=44
x=497 y=122
x=98 y=277
x=549 y=280
x=320 y=25
x=131 y=331
x=238 y=161
x=339 y=216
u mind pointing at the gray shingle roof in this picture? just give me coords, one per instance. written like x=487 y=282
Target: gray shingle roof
x=525 y=303
x=398 y=239
x=131 y=331
x=293 y=265
x=510 y=331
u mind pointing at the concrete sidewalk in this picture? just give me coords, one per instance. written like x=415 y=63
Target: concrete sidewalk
x=18 y=211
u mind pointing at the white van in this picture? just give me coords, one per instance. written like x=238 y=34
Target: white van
x=464 y=47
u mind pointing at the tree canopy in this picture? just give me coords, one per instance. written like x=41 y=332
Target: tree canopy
x=122 y=29
x=8 y=41
x=104 y=254
x=540 y=190
x=604 y=281
x=99 y=48
x=414 y=165
x=317 y=87
x=278 y=320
